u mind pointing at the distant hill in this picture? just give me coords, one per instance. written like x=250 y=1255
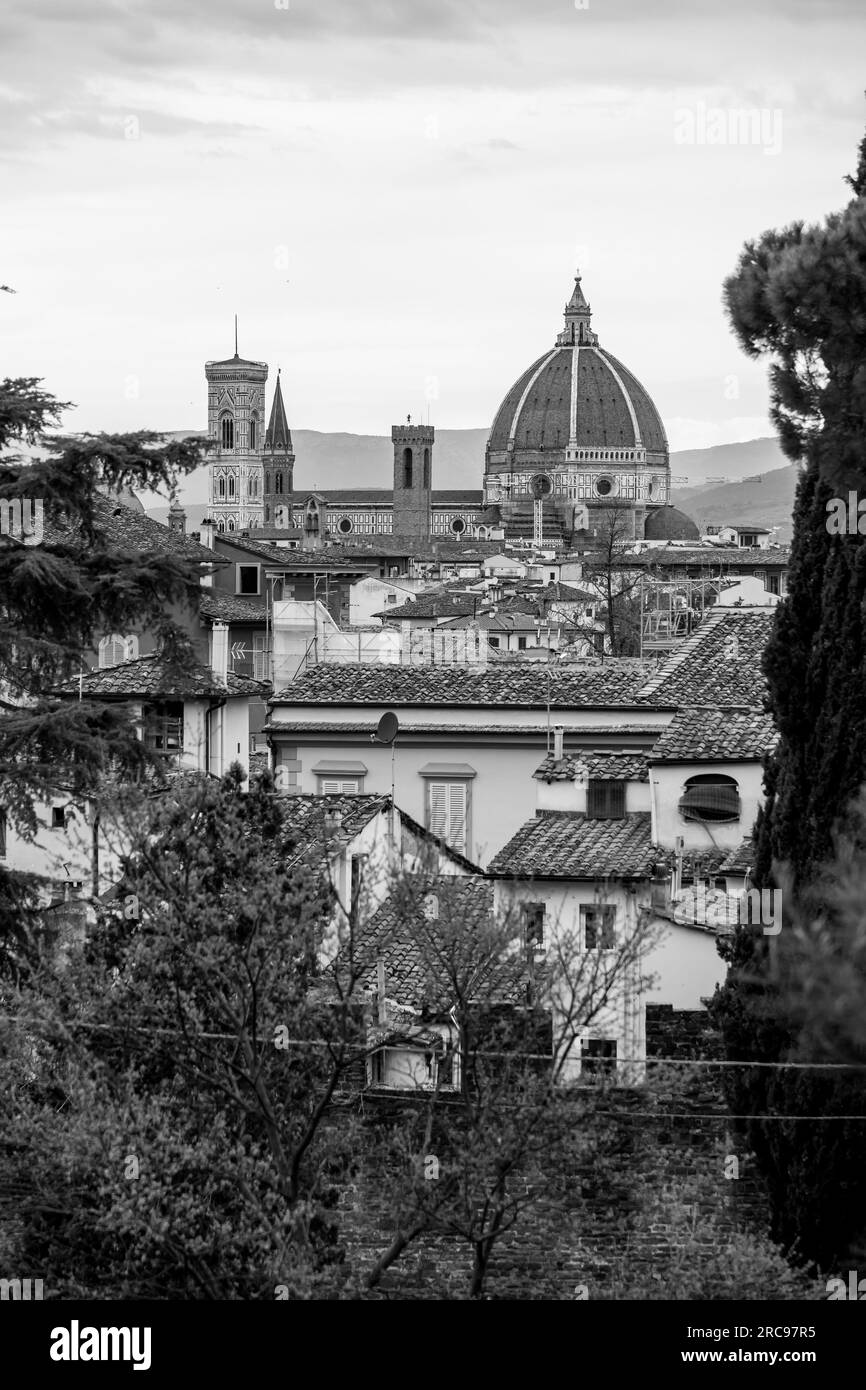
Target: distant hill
x=766 y=499
x=726 y=463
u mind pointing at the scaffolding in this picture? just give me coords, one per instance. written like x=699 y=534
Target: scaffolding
x=672 y=608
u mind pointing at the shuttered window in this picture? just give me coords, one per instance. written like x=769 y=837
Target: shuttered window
x=339 y=787
x=448 y=813
x=605 y=799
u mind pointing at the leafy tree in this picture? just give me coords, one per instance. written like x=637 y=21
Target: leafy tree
x=505 y=1141
x=799 y=296
x=171 y=1082
x=617 y=585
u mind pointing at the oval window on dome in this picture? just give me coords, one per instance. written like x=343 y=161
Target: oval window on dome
x=458 y=526
x=344 y=525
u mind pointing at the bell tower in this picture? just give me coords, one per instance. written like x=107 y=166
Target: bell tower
x=278 y=464
x=235 y=426
x=413 y=471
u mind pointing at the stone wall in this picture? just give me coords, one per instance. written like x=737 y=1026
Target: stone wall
x=657 y=1170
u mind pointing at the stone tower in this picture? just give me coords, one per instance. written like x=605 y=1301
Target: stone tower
x=235 y=424
x=413 y=469
x=278 y=462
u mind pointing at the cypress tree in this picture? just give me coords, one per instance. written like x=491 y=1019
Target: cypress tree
x=799 y=296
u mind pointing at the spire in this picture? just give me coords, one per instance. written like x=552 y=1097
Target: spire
x=278 y=439
x=577 y=332
x=236 y=335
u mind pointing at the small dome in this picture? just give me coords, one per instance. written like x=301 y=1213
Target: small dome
x=669 y=524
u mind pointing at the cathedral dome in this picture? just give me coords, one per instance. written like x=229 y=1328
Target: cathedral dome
x=668 y=524
x=577 y=405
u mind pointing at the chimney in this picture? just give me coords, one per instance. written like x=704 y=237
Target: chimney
x=558 y=742
x=207 y=532
x=219 y=651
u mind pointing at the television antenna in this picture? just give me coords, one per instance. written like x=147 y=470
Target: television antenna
x=386 y=733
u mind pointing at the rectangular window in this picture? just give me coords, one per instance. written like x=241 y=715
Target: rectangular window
x=260 y=658
x=349 y=786
x=598 y=1057
x=359 y=864
x=248 y=579
x=597 y=926
x=521 y=644
x=533 y=925
x=163 y=728
x=493 y=641
x=448 y=813
x=771 y=583
x=58 y=817
x=605 y=799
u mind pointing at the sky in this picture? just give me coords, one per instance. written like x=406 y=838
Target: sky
x=393 y=195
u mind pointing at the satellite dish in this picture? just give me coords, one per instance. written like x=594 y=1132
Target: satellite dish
x=388 y=726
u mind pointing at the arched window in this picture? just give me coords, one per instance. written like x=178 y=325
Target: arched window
x=710 y=797
x=278 y=482
x=231 y=523
x=253 y=431
x=252 y=486
x=426 y=467
x=221 y=526
x=231 y=487
x=407 y=467
x=267 y=513
x=221 y=487
x=227 y=432
x=267 y=482
x=116 y=649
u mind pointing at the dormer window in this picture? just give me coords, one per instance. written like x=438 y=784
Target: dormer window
x=710 y=797
x=605 y=799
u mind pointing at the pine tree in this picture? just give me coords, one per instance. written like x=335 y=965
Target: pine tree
x=57 y=598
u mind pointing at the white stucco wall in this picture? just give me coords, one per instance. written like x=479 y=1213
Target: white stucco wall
x=668 y=783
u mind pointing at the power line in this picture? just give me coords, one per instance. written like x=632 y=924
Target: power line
x=286 y=1043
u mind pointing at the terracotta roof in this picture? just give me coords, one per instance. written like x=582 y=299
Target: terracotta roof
x=317 y=819
x=365 y=728
x=715 y=558
x=740 y=860
x=365 y=496
x=557 y=845
x=294 y=559
x=619 y=767
x=436 y=603
x=536 y=413
x=613 y=682
x=715 y=735
x=151 y=676
x=417 y=951
x=229 y=608
x=718 y=664
x=557 y=592
x=127 y=529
